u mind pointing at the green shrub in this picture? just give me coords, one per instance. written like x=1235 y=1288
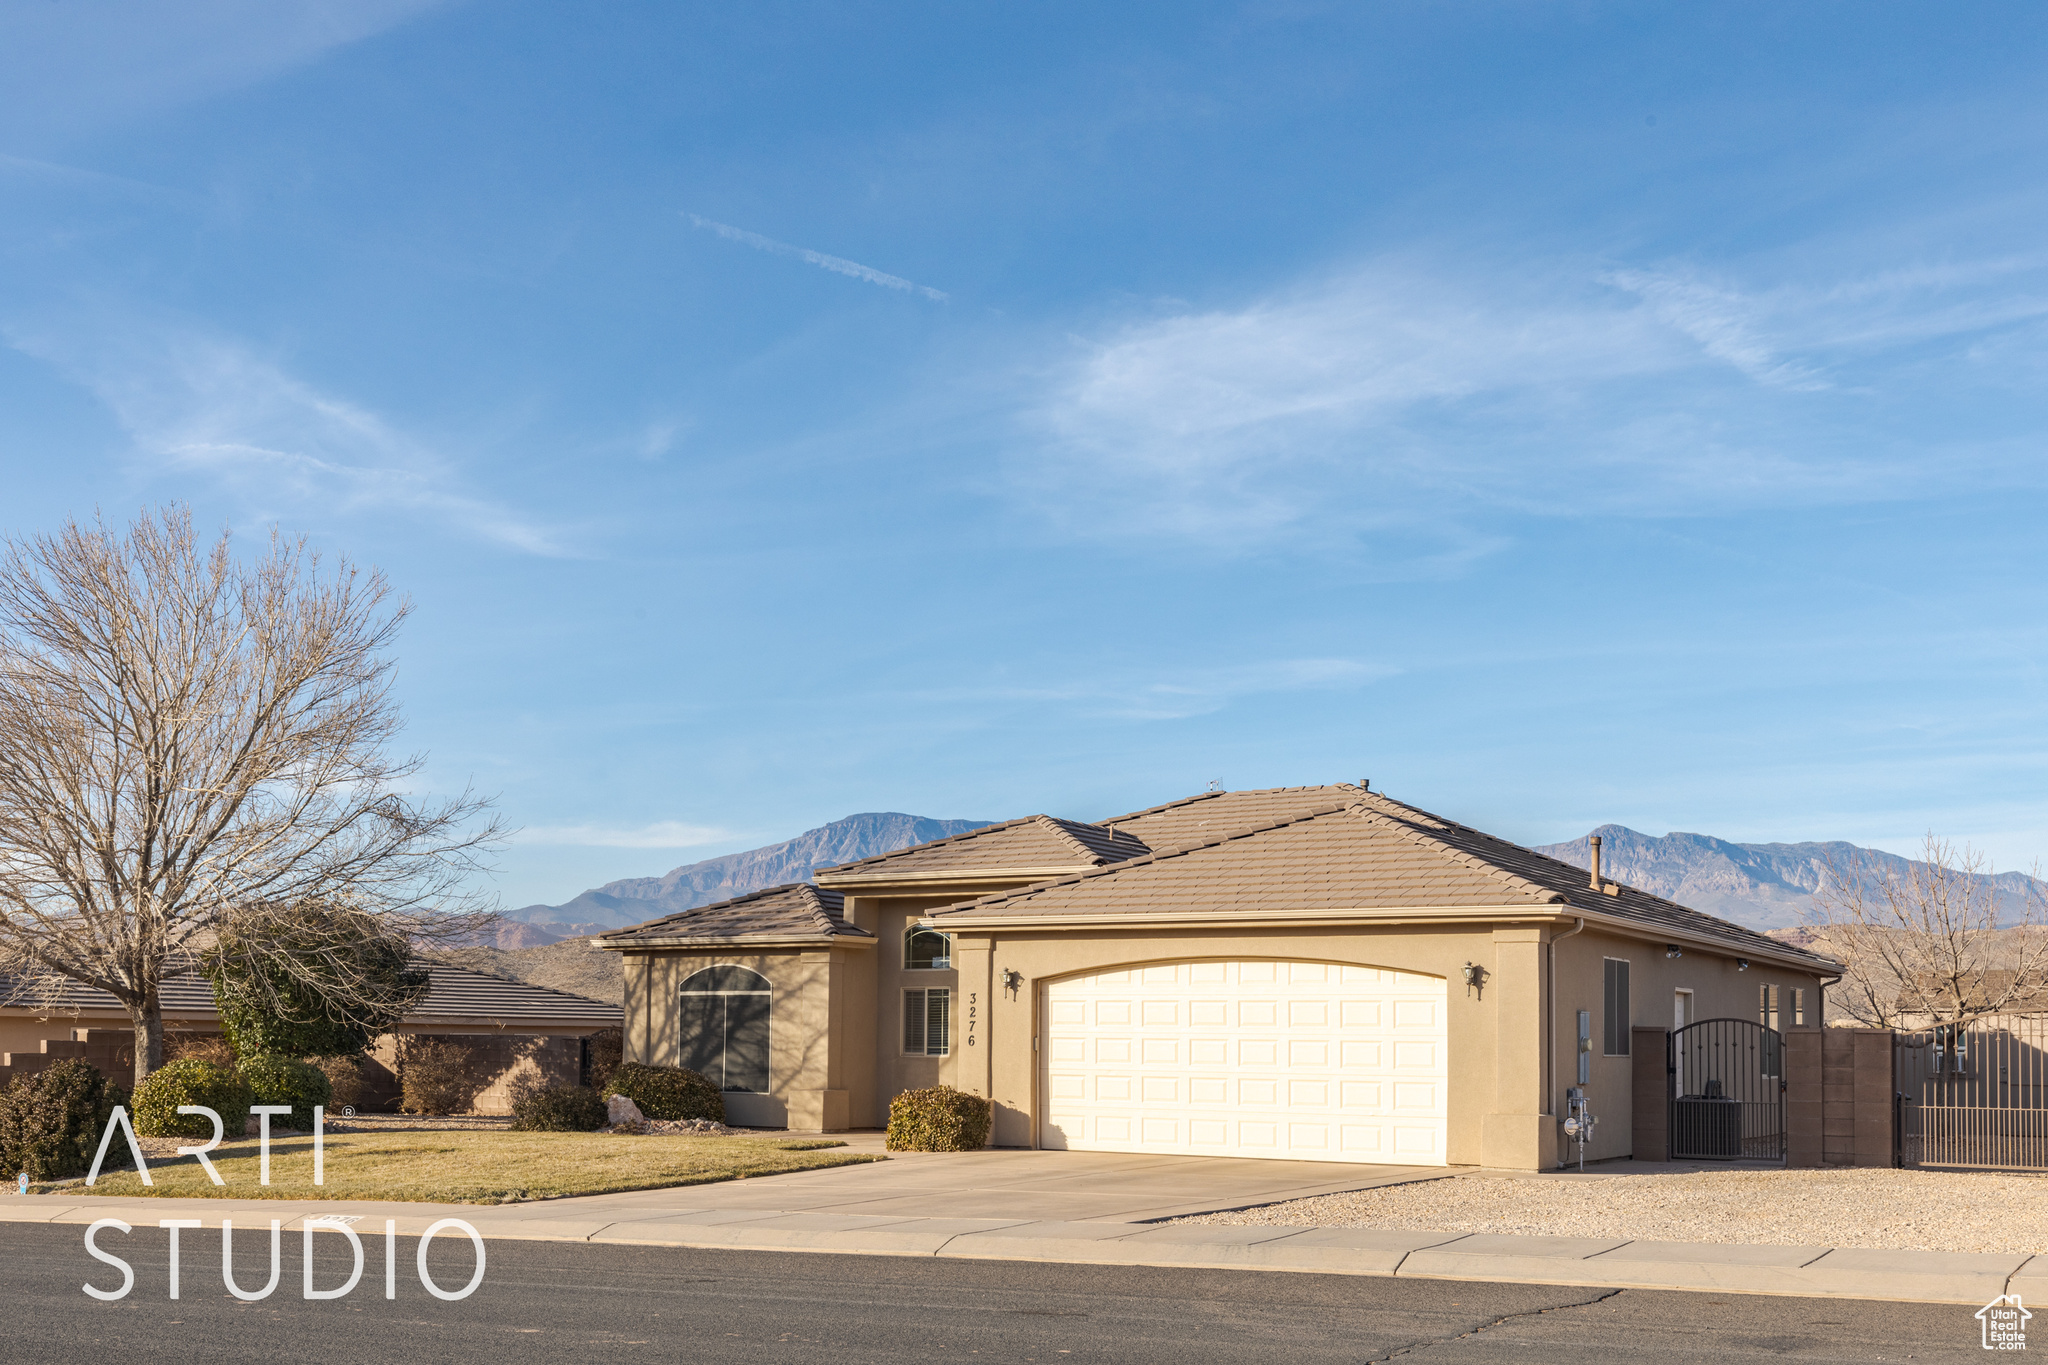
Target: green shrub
x=940 y=1119
x=312 y=979
x=666 y=1092
x=280 y=1080
x=562 y=1109
x=192 y=1081
x=51 y=1120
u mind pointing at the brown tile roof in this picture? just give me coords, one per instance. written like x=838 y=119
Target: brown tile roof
x=798 y=911
x=454 y=995
x=1362 y=851
x=1201 y=818
x=1035 y=842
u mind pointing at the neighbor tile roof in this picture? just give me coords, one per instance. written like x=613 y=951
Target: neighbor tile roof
x=1035 y=841
x=454 y=995
x=1362 y=851
x=796 y=911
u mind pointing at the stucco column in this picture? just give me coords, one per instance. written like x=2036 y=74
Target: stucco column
x=1520 y=1133
x=971 y=1016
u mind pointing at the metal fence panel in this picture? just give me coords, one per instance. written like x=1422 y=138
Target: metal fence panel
x=1975 y=1097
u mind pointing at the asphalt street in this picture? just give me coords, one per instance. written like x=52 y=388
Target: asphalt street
x=559 y=1301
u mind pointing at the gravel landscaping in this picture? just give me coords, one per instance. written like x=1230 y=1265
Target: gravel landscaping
x=1882 y=1209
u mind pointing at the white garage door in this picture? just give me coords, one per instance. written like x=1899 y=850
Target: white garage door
x=1306 y=1060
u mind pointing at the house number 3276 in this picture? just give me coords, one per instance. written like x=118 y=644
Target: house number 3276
x=972 y=1012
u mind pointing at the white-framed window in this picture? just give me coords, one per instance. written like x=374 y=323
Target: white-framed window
x=928 y=1022
x=927 y=950
x=1798 y=1007
x=1614 y=1008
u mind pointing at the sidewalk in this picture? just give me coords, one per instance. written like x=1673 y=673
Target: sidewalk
x=1085 y=1209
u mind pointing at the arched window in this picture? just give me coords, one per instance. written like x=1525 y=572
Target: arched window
x=725 y=1027
x=927 y=949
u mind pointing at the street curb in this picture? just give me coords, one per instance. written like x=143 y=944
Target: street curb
x=1606 y=1263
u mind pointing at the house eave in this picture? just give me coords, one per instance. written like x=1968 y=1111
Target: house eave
x=640 y=944
x=1381 y=916
x=993 y=876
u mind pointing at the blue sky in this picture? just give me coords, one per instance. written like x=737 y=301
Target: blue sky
x=1557 y=413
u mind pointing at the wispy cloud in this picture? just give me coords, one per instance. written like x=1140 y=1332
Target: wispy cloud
x=660 y=834
x=1723 y=321
x=195 y=402
x=68 y=69
x=837 y=264
x=1193 y=692
x=1403 y=401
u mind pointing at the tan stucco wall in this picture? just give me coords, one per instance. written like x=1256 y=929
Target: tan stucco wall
x=836 y=1029
x=1002 y=1062
x=807 y=1024
x=1719 y=990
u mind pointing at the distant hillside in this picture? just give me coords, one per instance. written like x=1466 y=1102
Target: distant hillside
x=1763 y=886
x=631 y=900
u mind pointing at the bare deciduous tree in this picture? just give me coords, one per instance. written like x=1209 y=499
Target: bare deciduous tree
x=1937 y=942
x=187 y=739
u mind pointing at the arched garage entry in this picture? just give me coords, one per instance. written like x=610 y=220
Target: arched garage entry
x=1312 y=1061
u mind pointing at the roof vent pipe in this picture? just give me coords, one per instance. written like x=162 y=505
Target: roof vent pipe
x=1595 y=883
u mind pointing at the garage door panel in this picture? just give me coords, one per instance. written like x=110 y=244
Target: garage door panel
x=1257 y=1058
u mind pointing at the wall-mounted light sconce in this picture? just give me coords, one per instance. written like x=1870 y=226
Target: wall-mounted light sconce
x=1673 y=950
x=1741 y=964
x=1475 y=979
x=1012 y=980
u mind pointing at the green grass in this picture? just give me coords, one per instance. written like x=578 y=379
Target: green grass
x=456 y=1167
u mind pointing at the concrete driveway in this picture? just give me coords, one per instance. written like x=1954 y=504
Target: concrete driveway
x=1062 y=1186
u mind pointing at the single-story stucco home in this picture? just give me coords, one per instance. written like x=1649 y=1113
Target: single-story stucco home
x=1318 y=973
x=512 y=1029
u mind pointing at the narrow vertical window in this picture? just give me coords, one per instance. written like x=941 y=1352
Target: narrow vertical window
x=1798 y=1007
x=928 y=1023
x=1767 y=1006
x=1614 y=1013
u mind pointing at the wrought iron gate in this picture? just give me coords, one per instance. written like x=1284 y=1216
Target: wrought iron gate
x=1975 y=1096
x=1727 y=1091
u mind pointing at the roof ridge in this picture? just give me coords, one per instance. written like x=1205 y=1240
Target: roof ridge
x=1155 y=856
x=1549 y=895
x=1210 y=796
x=1059 y=825
x=1567 y=894
x=929 y=843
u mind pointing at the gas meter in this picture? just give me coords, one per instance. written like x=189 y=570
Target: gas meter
x=1579 y=1120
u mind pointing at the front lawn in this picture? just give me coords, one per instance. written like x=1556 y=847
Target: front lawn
x=469 y=1167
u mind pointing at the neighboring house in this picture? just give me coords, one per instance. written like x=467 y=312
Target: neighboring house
x=1999 y=987
x=1309 y=972
x=512 y=1027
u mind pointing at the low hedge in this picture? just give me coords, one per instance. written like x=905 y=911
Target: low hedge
x=940 y=1119
x=666 y=1092
x=51 y=1120
x=561 y=1109
x=192 y=1081
x=280 y=1080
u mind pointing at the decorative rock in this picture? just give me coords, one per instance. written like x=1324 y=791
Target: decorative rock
x=618 y=1109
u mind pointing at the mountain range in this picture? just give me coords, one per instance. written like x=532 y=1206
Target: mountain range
x=1768 y=887
x=632 y=900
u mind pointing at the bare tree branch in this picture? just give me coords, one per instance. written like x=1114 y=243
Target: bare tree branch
x=1934 y=943
x=185 y=738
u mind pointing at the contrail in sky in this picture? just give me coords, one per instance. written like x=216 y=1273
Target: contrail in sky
x=817 y=258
